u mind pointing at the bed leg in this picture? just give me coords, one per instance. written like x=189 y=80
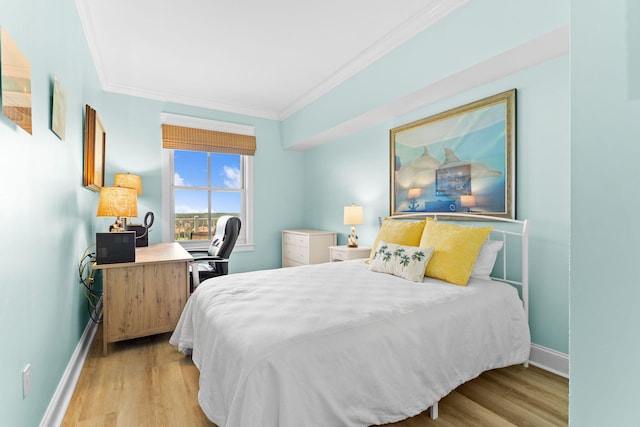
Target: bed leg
x=526 y=364
x=434 y=411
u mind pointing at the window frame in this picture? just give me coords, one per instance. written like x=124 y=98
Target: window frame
x=168 y=187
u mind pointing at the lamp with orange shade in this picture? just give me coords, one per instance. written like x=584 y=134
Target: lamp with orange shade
x=120 y=202
x=128 y=180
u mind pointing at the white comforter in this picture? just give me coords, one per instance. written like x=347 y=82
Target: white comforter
x=338 y=345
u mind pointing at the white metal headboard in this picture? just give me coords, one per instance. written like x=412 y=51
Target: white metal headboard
x=519 y=230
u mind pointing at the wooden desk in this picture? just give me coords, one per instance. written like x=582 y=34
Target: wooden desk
x=144 y=297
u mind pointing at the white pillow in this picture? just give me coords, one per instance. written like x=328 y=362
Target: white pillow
x=486 y=259
x=408 y=262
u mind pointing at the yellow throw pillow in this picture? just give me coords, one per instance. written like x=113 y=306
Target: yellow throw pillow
x=400 y=232
x=456 y=250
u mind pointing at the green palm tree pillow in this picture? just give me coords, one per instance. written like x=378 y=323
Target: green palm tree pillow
x=408 y=262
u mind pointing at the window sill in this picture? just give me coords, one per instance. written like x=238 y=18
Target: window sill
x=244 y=247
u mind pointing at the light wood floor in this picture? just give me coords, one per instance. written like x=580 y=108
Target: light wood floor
x=147 y=382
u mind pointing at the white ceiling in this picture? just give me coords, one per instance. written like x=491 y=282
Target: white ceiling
x=265 y=58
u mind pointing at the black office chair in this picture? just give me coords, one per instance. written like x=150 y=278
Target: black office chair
x=215 y=262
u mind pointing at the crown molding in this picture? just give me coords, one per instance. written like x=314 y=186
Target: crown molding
x=192 y=101
x=87 y=23
x=531 y=53
x=429 y=15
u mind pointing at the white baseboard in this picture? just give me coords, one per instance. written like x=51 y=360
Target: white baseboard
x=62 y=397
x=549 y=360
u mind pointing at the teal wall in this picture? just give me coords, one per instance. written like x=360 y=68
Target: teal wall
x=49 y=219
x=355 y=168
x=605 y=308
x=470 y=35
x=134 y=140
x=51 y=222
x=46 y=215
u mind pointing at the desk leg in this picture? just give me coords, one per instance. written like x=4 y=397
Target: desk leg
x=105 y=312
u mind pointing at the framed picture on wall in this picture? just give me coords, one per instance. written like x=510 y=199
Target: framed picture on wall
x=95 y=139
x=460 y=160
x=15 y=72
x=59 y=109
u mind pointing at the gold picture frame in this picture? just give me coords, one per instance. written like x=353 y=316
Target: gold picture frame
x=95 y=140
x=460 y=160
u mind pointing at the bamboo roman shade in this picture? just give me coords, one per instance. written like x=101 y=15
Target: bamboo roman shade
x=192 y=139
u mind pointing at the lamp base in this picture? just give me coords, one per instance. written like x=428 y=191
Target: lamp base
x=119 y=226
x=353 y=239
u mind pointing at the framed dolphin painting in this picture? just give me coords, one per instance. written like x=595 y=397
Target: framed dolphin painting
x=460 y=160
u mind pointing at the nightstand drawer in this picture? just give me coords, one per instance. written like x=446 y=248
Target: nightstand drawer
x=338 y=256
x=346 y=253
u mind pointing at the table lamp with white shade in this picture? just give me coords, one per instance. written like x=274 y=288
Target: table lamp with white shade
x=353 y=216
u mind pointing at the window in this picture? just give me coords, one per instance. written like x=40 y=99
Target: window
x=203 y=181
x=205 y=187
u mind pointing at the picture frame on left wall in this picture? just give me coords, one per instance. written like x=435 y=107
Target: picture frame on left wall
x=15 y=71
x=95 y=141
x=59 y=109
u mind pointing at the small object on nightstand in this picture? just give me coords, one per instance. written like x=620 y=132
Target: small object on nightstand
x=353 y=216
x=345 y=253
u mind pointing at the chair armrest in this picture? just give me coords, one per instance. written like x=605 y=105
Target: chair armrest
x=210 y=259
x=195 y=275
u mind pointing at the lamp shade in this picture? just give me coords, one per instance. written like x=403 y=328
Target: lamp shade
x=353 y=214
x=118 y=201
x=128 y=180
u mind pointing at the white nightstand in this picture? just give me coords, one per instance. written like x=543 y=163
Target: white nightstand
x=345 y=253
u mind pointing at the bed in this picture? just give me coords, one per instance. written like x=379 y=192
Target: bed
x=339 y=344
